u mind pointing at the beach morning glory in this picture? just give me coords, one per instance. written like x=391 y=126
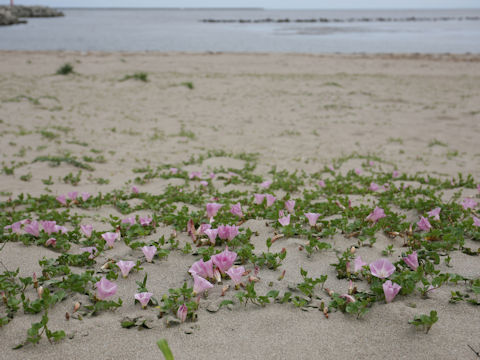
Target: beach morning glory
x=85 y=196
x=258 y=198
x=86 y=230
x=270 y=199
x=212 y=209
x=227 y=232
x=390 y=290
x=382 y=268
x=476 y=221
x=358 y=264
x=149 y=252
x=435 y=213
x=284 y=221
x=125 y=267
x=312 y=218
x=469 y=203
x=200 y=284
x=290 y=206
x=377 y=214
x=424 y=224
x=73 y=195
x=110 y=238
x=212 y=235
x=203 y=269
x=32 y=229
x=224 y=260
x=62 y=199
x=182 y=313
x=236 y=210
x=412 y=260
x=236 y=274
x=105 y=288
x=143 y=298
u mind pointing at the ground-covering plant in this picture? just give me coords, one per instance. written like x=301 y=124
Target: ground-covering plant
x=311 y=208
x=65 y=69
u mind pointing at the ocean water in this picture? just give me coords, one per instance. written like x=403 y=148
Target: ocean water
x=183 y=30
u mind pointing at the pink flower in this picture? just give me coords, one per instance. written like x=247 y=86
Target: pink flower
x=212 y=235
x=86 y=230
x=270 y=199
x=173 y=171
x=134 y=189
x=91 y=249
x=16 y=227
x=435 y=213
x=373 y=187
x=143 y=298
x=227 y=232
x=62 y=199
x=371 y=163
x=382 y=268
x=358 y=171
x=182 y=313
x=203 y=269
x=469 y=203
x=212 y=175
x=321 y=183
x=224 y=260
x=125 y=267
x=259 y=198
x=149 y=252
x=412 y=260
x=424 y=224
x=51 y=241
x=105 y=288
x=236 y=274
x=358 y=264
x=266 y=184
x=395 y=174
x=195 y=174
x=284 y=221
x=85 y=196
x=236 y=210
x=312 y=218
x=145 y=221
x=73 y=195
x=204 y=183
x=110 y=238
x=290 y=206
x=349 y=298
x=390 y=290
x=200 y=284
x=478 y=187
x=61 y=229
x=476 y=221
x=129 y=220
x=377 y=214
x=212 y=209
x=49 y=226
x=331 y=168
x=202 y=228
x=32 y=229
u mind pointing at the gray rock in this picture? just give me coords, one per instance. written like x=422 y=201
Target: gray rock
x=7 y=18
x=11 y=15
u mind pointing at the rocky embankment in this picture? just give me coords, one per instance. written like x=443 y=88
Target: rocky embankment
x=15 y=14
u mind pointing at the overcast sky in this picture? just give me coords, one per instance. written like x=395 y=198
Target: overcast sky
x=269 y=4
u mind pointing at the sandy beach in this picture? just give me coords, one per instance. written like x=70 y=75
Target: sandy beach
x=420 y=114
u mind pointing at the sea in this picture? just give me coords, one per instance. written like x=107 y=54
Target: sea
x=250 y=30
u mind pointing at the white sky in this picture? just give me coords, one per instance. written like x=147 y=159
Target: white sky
x=269 y=4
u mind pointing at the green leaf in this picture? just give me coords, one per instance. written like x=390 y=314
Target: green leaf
x=163 y=346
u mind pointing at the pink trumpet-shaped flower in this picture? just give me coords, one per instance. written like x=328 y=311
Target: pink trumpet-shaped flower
x=32 y=229
x=134 y=189
x=200 y=284
x=284 y=221
x=478 y=187
x=212 y=209
x=469 y=203
x=435 y=213
x=51 y=241
x=224 y=260
x=86 y=230
x=331 y=168
x=203 y=269
x=395 y=174
x=390 y=290
x=145 y=221
x=105 y=288
x=266 y=184
x=371 y=163
x=423 y=224
x=227 y=232
x=90 y=249
x=202 y=228
x=195 y=174
x=290 y=206
x=270 y=199
x=182 y=313
x=212 y=235
x=129 y=220
x=49 y=226
x=110 y=238
x=16 y=227
x=358 y=264
x=62 y=199
x=377 y=214
x=85 y=196
x=476 y=221
x=143 y=298
x=236 y=210
x=149 y=252
x=73 y=195
x=349 y=298
x=173 y=171
x=259 y=198
x=382 y=268
x=212 y=175
x=236 y=274
x=204 y=183
x=125 y=267
x=62 y=229
x=312 y=218
x=321 y=183
x=412 y=260
x=373 y=187
x=358 y=171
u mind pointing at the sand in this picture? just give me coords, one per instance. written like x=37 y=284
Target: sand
x=420 y=112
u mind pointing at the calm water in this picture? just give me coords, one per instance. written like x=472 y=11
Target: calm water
x=177 y=30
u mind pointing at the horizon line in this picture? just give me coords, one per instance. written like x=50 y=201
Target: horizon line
x=245 y=8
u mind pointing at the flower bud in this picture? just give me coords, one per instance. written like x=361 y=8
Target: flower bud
x=35 y=281
x=282 y=275
x=352 y=250
x=217 y=275
x=40 y=291
x=76 y=307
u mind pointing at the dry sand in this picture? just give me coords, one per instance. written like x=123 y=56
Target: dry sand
x=298 y=112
